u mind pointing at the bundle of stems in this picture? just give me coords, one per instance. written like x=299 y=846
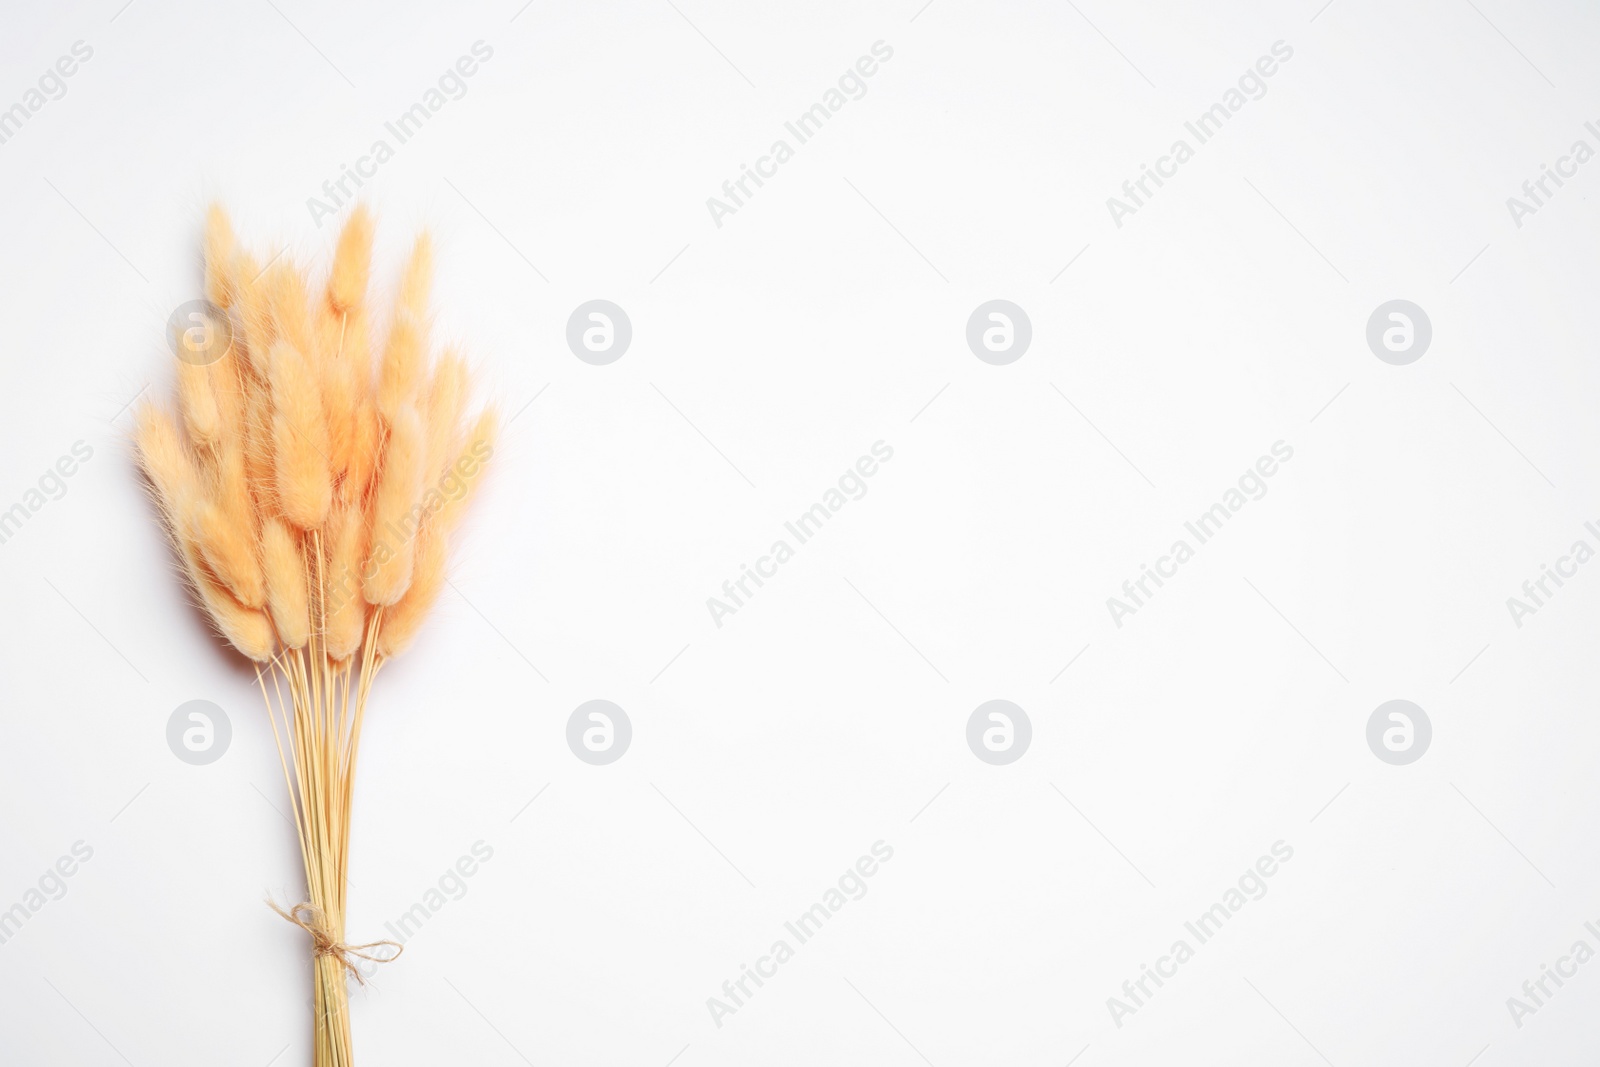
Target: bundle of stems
x=310 y=491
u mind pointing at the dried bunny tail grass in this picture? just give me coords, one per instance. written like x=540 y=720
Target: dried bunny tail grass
x=365 y=447
x=416 y=284
x=344 y=306
x=254 y=303
x=470 y=464
x=230 y=384
x=176 y=482
x=346 y=611
x=340 y=412
x=400 y=372
x=395 y=511
x=226 y=526
x=402 y=621
x=227 y=378
x=167 y=463
x=345 y=370
x=447 y=398
x=299 y=439
x=291 y=308
x=352 y=261
x=247 y=629
x=347 y=382
x=222 y=258
x=357 y=347
x=198 y=403
x=404 y=353
x=258 y=453
x=295 y=501
x=287 y=592
x=230 y=551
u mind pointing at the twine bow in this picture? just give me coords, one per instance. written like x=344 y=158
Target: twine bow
x=309 y=918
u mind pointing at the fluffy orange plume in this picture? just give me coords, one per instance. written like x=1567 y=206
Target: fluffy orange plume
x=303 y=481
x=222 y=256
x=401 y=373
x=342 y=338
x=288 y=595
x=291 y=309
x=258 y=458
x=473 y=458
x=227 y=380
x=416 y=284
x=171 y=470
x=402 y=621
x=198 y=403
x=246 y=629
x=226 y=529
x=364 y=451
x=230 y=552
x=346 y=370
x=252 y=301
x=177 y=484
x=352 y=261
x=346 y=547
x=395 y=511
x=447 y=397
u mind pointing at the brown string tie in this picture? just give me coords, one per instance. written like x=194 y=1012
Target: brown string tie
x=309 y=918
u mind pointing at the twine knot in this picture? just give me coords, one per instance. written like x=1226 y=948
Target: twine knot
x=309 y=918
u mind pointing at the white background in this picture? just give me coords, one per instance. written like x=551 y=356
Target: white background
x=827 y=314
